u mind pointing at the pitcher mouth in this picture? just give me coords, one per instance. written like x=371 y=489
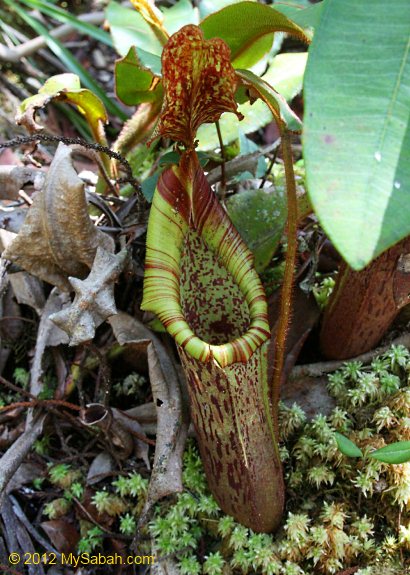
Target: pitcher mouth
x=184 y=201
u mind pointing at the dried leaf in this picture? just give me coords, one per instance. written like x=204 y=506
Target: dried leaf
x=62 y=534
x=48 y=335
x=199 y=84
x=14 y=178
x=58 y=238
x=132 y=426
x=120 y=430
x=166 y=477
x=94 y=298
x=99 y=468
x=27 y=289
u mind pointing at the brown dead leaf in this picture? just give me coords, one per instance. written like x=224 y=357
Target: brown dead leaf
x=58 y=238
x=94 y=298
x=101 y=465
x=62 y=534
x=121 y=430
x=172 y=427
x=14 y=178
x=48 y=335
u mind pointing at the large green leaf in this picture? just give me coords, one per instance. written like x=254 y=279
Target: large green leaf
x=260 y=217
x=357 y=134
x=207 y=7
x=135 y=77
x=248 y=28
x=178 y=15
x=305 y=18
x=128 y=28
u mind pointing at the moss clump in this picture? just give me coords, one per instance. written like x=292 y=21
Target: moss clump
x=347 y=517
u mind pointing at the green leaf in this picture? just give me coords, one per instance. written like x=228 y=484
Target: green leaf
x=306 y=18
x=398 y=452
x=134 y=81
x=285 y=118
x=347 y=447
x=260 y=217
x=149 y=184
x=248 y=29
x=66 y=88
x=286 y=72
x=68 y=60
x=357 y=133
x=67 y=18
x=286 y=75
x=178 y=15
x=207 y=7
x=128 y=28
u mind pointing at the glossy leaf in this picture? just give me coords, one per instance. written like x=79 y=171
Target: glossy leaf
x=347 y=447
x=207 y=7
x=199 y=84
x=66 y=88
x=128 y=28
x=137 y=77
x=247 y=28
x=357 y=130
x=284 y=117
x=394 y=453
x=178 y=15
x=260 y=217
x=307 y=17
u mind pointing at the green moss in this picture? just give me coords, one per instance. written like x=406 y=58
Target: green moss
x=349 y=515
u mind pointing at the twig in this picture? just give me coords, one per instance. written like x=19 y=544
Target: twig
x=223 y=156
x=321 y=368
x=16 y=388
x=240 y=164
x=40 y=403
x=270 y=167
x=14 y=456
x=13 y=55
x=135 y=433
x=30 y=528
x=107 y=531
x=80 y=142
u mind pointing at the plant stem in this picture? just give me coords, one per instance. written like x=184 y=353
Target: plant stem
x=287 y=286
x=223 y=156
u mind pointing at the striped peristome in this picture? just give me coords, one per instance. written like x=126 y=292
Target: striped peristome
x=183 y=200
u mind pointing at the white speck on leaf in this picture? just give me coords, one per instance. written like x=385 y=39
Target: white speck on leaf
x=397 y=185
x=378 y=156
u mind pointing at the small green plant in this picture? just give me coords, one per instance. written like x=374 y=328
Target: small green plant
x=91 y=540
